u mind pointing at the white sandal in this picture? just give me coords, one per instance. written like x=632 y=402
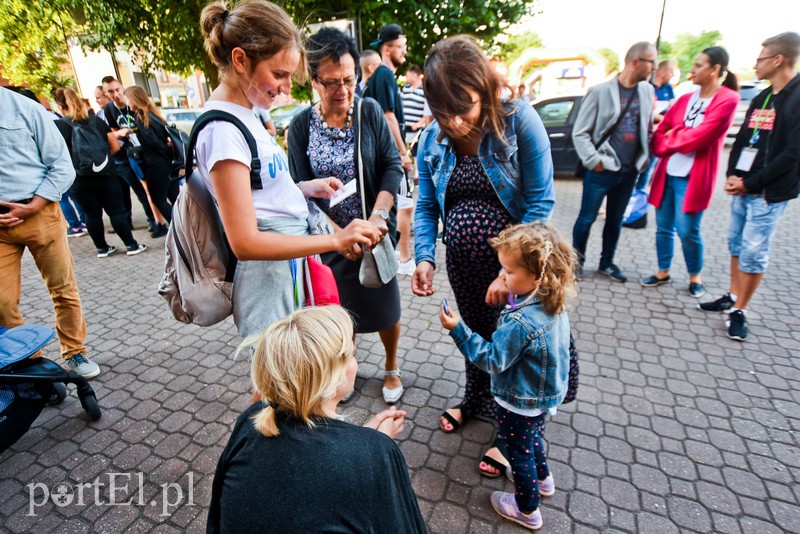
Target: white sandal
x=391 y=396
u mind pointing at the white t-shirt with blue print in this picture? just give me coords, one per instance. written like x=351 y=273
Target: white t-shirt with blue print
x=280 y=196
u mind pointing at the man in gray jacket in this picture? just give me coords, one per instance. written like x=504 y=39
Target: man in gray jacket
x=611 y=137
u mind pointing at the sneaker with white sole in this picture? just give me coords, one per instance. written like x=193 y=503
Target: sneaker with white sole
x=106 y=252
x=547 y=487
x=76 y=232
x=737 y=325
x=83 y=366
x=721 y=305
x=138 y=248
x=506 y=505
x=407 y=268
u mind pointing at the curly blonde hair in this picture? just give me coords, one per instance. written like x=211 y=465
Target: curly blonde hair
x=542 y=251
x=299 y=362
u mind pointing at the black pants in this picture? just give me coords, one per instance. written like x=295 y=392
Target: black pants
x=96 y=194
x=128 y=181
x=163 y=191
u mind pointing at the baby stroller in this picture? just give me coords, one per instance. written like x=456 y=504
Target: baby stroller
x=26 y=385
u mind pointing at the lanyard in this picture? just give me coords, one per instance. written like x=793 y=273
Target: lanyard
x=759 y=121
x=293 y=264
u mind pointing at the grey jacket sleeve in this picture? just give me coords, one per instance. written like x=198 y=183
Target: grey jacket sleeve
x=584 y=129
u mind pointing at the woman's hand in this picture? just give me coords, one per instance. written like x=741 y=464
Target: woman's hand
x=357 y=232
x=354 y=253
x=497 y=294
x=390 y=422
x=321 y=187
x=448 y=321
x=379 y=223
x=422 y=281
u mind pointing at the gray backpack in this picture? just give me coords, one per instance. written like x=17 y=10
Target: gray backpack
x=199 y=267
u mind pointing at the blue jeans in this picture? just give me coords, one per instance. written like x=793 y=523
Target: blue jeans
x=73 y=215
x=615 y=185
x=670 y=218
x=753 y=223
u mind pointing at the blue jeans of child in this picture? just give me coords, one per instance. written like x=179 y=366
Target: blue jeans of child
x=670 y=218
x=523 y=437
x=615 y=185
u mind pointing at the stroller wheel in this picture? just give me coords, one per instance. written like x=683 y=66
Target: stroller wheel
x=58 y=394
x=90 y=406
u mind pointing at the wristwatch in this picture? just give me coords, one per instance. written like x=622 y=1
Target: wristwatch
x=383 y=213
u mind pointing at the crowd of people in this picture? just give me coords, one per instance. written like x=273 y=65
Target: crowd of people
x=486 y=188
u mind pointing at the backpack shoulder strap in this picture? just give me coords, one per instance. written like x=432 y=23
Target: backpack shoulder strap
x=217 y=115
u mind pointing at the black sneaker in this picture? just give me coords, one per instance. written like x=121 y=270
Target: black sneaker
x=579 y=272
x=697 y=289
x=737 y=325
x=138 y=248
x=613 y=272
x=655 y=281
x=721 y=305
x=106 y=252
x=161 y=231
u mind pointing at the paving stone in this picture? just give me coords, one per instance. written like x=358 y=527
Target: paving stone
x=585 y=508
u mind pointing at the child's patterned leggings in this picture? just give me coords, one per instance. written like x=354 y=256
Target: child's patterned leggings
x=525 y=447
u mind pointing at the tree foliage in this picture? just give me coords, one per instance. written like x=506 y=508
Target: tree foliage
x=516 y=44
x=612 y=57
x=165 y=34
x=686 y=47
x=33 y=45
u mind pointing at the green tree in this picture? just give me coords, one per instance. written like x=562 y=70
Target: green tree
x=612 y=57
x=517 y=44
x=686 y=47
x=33 y=44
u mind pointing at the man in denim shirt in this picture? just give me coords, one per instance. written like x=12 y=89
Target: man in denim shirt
x=611 y=137
x=35 y=170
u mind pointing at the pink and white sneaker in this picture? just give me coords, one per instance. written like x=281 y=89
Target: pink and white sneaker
x=506 y=505
x=547 y=487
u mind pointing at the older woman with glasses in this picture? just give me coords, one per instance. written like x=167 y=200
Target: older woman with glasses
x=323 y=144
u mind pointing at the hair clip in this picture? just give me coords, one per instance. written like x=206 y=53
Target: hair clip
x=225 y=15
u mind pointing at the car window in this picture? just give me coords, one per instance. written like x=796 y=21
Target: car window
x=555 y=113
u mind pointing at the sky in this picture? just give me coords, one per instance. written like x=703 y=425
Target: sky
x=617 y=24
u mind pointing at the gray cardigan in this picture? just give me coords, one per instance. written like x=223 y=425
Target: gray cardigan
x=599 y=111
x=382 y=168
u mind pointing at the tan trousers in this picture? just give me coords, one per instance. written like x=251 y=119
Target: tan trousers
x=45 y=235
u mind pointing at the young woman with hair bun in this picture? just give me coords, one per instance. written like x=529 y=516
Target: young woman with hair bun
x=257 y=49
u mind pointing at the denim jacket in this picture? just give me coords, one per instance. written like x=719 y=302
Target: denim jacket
x=520 y=170
x=528 y=357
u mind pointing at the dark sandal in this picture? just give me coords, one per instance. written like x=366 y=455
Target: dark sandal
x=489 y=461
x=450 y=419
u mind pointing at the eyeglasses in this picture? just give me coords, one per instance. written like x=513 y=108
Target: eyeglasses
x=334 y=85
x=651 y=61
x=763 y=58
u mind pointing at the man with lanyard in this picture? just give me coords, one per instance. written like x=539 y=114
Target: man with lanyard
x=382 y=86
x=611 y=137
x=122 y=121
x=762 y=176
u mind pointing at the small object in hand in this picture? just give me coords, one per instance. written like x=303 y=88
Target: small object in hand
x=446 y=307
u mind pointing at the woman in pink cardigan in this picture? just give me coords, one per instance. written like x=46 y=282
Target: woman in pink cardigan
x=689 y=141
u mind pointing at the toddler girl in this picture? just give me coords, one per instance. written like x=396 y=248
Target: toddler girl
x=528 y=358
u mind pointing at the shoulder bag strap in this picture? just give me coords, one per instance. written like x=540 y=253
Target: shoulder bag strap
x=360 y=162
x=217 y=115
x=619 y=119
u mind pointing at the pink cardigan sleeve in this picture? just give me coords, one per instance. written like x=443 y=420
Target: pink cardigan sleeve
x=718 y=119
x=672 y=119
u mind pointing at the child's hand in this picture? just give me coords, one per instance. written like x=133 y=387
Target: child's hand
x=449 y=321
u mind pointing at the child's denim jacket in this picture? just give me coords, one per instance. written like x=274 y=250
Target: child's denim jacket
x=528 y=357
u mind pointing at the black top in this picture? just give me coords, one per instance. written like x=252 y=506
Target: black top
x=382 y=168
x=66 y=130
x=117 y=119
x=776 y=169
x=335 y=477
x=154 y=141
x=382 y=86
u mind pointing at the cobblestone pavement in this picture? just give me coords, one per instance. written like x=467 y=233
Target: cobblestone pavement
x=676 y=428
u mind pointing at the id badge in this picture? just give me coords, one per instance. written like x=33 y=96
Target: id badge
x=746 y=159
x=135 y=140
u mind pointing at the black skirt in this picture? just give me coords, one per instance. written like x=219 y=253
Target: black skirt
x=373 y=309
